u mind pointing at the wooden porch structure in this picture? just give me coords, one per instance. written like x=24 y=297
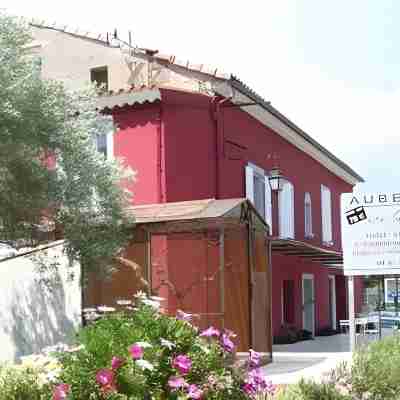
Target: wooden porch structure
x=207 y=257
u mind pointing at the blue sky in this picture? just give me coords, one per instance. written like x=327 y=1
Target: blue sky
x=331 y=67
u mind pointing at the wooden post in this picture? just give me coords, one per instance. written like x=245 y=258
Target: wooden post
x=222 y=274
x=352 y=320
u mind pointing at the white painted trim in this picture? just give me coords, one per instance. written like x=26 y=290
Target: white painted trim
x=272 y=122
x=110 y=145
x=310 y=277
x=332 y=280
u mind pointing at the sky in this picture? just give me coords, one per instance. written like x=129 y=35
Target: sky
x=330 y=67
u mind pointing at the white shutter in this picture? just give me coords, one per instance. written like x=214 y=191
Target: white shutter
x=110 y=145
x=286 y=211
x=326 y=213
x=249 y=183
x=308 y=229
x=268 y=204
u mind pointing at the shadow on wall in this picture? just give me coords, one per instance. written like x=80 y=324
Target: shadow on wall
x=38 y=319
x=34 y=315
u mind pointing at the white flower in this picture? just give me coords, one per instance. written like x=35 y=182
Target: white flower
x=143 y=364
x=154 y=304
x=167 y=343
x=105 y=309
x=156 y=298
x=144 y=344
x=123 y=302
x=89 y=310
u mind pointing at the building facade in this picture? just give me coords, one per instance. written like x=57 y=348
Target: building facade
x=192 y=133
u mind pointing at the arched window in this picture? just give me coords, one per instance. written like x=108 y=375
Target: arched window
x=308 y=228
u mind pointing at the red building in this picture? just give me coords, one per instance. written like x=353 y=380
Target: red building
x=188 y=145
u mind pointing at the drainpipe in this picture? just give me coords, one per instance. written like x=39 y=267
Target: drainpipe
x=216 y=104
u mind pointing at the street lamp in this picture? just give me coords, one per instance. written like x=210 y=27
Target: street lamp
x=275 y=179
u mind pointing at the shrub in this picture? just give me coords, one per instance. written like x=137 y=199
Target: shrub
x=27 y=381
x=146 y=354
x=309 y=390
x=375 y=371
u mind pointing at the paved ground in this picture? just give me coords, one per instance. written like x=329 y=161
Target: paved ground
x=307 y=359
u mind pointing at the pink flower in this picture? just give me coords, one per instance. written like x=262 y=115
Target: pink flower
x=256 y=383
x=105 y=378
x=176 y=382
x=182 y=316
x=210 y=332
x=194 y=392
x=136 y=351
x=227 y=343
x=116 y=363
x=254 y=358
x=61 y=391
x=182 y=363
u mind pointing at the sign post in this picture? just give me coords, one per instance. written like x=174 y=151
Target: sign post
x=370 y=240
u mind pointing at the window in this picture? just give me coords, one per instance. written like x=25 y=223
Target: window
x=258 y=191
x=100 y=76
x=308 y=230
x=286 y=211
x=326 y=213
x=288 y=302
x=105 y=144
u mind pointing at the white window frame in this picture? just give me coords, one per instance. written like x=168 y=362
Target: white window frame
x=250 y=170
x=326 y=216
x=308 y=221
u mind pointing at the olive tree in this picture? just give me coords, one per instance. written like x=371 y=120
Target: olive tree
x=51 y=176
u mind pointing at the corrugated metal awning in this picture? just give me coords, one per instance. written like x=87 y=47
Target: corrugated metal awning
x=128 y=97
x=330 y=258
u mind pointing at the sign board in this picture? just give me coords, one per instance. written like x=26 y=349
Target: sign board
x=371 y=233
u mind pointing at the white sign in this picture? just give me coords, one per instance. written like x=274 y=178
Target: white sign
x=371 y=233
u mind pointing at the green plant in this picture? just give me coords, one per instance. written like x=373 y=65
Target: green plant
x=375 y=370
x=146 y=354
x=23 y=383
x=309 y=390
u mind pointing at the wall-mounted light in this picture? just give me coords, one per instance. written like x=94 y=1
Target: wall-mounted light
x=276 y=179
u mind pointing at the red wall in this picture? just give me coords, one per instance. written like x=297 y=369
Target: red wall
x=173 y=148
x=137 y=143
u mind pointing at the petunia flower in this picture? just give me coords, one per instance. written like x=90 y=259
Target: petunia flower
x=210 y=332
x=254 y=358
x=182 y=363
x=194 y=392
x=166 y=343
x=116 y=363
x=177 y=382
x=227 y=343
x=136 y=351
x=182 y=316
x=61 y=391
x=105 y=377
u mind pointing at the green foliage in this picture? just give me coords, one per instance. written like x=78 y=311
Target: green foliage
x=41 y=121
x=375 y=370
x=22 y=384
x=309 y=390
x=163 y=338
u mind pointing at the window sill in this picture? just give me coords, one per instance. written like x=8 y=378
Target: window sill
x=327 y=244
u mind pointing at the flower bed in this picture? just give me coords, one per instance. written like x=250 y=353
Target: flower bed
x=141 y=353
